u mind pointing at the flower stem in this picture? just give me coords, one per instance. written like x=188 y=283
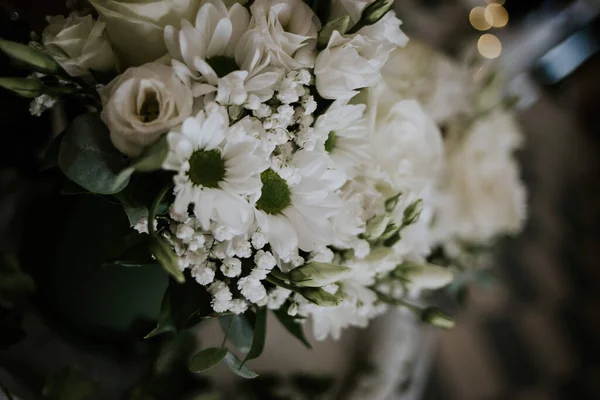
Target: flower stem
x=154 y=207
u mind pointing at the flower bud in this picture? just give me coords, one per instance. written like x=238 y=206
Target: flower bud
x=25 y=87
x=376 y=226
x=30 y=57
x=412 y=213
x=317 y=274
x=321 y=297
x=437 y=318
x=392 y=202
x=341 y=25
x=424 y=276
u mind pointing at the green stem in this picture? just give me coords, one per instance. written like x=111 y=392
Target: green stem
x=154 y=207
x=398 y=302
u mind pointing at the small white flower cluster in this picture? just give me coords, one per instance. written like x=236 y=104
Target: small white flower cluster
x=41 y=103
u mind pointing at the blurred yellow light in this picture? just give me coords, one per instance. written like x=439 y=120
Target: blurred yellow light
x=478 y=19
x=489 y=46
x=496 y=15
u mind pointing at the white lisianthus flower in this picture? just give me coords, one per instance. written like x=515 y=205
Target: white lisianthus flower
x=221 y=55
x=288 y=30
x=407 y=148
x=215 y=175
x=142 y=104
x=348 y=64
x=417 y=72
x=79 y=45
x=298 y=216
x=136 y=27
x=481 y=193
x=343 y=134
x=387 y=29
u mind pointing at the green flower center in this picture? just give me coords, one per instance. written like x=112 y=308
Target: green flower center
x=150 y=108
x=222 y=65
x=275 y=196
x=330 y=142
x=207 y=168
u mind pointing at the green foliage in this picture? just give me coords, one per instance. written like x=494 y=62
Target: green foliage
x=207 y=358
x=260 y=334
x=238 y=330
x=183 y=306
x=165 y=255
x=88 y=157
x=24 y=87
x=238 y=367
x=151 y=160
x=371 y=14
x=68 y=384
x=291 y=324
x=29 y=57
x=316 y=274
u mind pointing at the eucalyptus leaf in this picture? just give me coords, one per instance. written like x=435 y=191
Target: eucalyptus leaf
x=238 y=330
x=260 y=334
x=88 y=157
x=292 y=325
x=238 y=368
x=68 y=384
x=29 y=57
x=151 y=160
x=207 y=358
x=165 y=255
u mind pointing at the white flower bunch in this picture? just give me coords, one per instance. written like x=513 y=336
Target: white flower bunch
x=295 y=171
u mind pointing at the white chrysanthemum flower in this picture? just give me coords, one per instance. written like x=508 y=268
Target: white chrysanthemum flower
x=215 y=175
x=221 y=55
x=288 y=29
x=298 y=216
x=344 y=135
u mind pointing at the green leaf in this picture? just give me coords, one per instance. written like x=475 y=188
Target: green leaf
x=341 y=25
x=151 y=160
x=292 y=325
x=165 y=255
x=238 y=368
x=132 y=251
x=183 y=306
x=88 y=157
x=50 y=158
x=24 y=87
x=174 y=353
x=260 y=334
x=29 y=57
x=68 y=384
x=238 y=330
x=207 y=358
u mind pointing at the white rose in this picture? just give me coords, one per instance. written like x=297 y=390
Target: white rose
x=289 y=30
x=418 y=72
x=481 y=194
x=142 y=104
x=79 y=45
x=136 y=26
x=348 y=64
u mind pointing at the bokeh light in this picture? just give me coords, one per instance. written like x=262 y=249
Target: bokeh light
x=478 y=19
x=496 y=15
x=489 y=46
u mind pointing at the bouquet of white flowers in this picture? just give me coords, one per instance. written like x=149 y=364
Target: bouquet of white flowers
x=263 y=160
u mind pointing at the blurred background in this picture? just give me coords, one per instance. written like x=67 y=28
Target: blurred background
x=536 y=335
